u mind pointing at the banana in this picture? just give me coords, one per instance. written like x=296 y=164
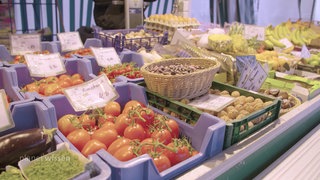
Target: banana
x=281 y=31
x=275 y=42
x=286 y=31
x=296 y=37
x=305 y=37
x=268 y=44
x=310 y=33
x=276 y=32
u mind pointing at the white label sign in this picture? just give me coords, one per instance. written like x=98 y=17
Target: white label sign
x=286 y=42
x=251 y=31
x=106 y=56
x=212 y=102
x=25 y=43
x=252 y=74
x=305 y=53
x=70 y=41
x=44 y=65
x=91 y=94
x=6 y=121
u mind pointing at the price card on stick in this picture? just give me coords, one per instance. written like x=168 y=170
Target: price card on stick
x=251 y=31
x=44 y=65
x=6 y=121
x=70 y=41
x=106 y=56
x=24 y=43
x=91 y=94
x=252 y=74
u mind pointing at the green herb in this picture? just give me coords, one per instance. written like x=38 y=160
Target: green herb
x=57 y=165
x=11 y=173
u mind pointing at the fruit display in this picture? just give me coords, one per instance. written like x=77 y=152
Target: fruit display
x=313 y=60
x=20 y=58
x=220 y=42
x=129 y=70
x=299 y=33
x=277 y=61
x=81 y=52
x=288 y=101
x=54 y=84
x=127 y=133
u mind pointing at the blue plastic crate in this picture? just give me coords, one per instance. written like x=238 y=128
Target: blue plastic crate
x=74 y=65
x=8 y=83
x=6 y=56
x=207 y=137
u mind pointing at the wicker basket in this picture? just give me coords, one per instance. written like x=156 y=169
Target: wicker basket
x=182 y=86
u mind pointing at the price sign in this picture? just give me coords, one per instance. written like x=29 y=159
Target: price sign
x=212 y=102
x=44 y=65
x=305 y=53
x=106 y=56
x=24 y=43
x=70 y=41
x=252 y=74
x=251 y=31
x=92 y=94
x=6 y=121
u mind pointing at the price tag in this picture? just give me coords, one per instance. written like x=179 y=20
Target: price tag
x=24 y=43
x=92 y=94
x=212 y=102
x=44 y=65
x=251 y=31
x=305 y=53
x=70 y=41
x=286 y=42
x=106 y=56
x=252 y=74
x=6 y=121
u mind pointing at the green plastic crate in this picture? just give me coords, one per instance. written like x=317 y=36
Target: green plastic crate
x=233 y=134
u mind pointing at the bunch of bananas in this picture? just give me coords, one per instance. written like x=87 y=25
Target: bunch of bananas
x=299 y=33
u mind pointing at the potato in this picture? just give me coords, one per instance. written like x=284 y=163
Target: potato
x=224 y=93
x=235 y=94
x=249 y=99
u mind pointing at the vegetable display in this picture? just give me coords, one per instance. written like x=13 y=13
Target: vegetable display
x=128 y=133
x=20 y=58
x=129 y=70
x=27 y=143
x=174 y=69
x=82 y=52
x=53 y=84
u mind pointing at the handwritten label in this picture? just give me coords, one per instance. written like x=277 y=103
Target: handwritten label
x=70 y=41
x=251 y=31
x=44 y=65
x=6 y=121
x=252 y=74
x=25 y=43
x=106 y=56
x=305 y=53
x=91 y=94
x=212 y=102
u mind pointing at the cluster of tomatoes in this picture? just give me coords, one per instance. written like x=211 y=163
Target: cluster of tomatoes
x=127 y=134
x=20 y=58
x=54 y=84
x=128 y=70
x=82 y=52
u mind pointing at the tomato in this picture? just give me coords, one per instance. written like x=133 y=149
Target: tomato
x=64 y=83
x=143 y=116
x=112 y=108
x=105 y=118
x=135 y=131
x=76 y=76
x=118 y=143
x=131 y=105
x=182 y=153
x=64 y=76
x=68 y=123
x=105 y=135
x=42 y=87
x=194 y=152
x=121 y=123
x=125 y=153
x=108 y=125
x=87 y=122
x=77 y=81
x=162 y=135
x=149 y=145
x=92 y=146
x=79 y=138
x=173 y=127
x=162 y=162
x=51 y=89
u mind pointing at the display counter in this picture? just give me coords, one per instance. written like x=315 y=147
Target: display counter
x=248 y=158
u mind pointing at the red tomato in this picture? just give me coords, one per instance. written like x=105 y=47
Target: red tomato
x=108 y=125
x=32 y=87
x=135 y=131
x=131 y=105
x=77 y=81
x=92 y=147
x=105 y=118
x=51 y=79
x=112 y=108
x=42 y=87
x=125 y=153
x=79 y=138
x=64 y=76
x=68 y=123
x=149 y=145
x=65 y=83
x=182 y=153
x=162 y=135
x=143 y=116
x=87 y=122
x=76 y=76
x=122 y=122
x=162 y=162
x=105 y=135
x=173 y=127
x=118 y=143
x=51 y=89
